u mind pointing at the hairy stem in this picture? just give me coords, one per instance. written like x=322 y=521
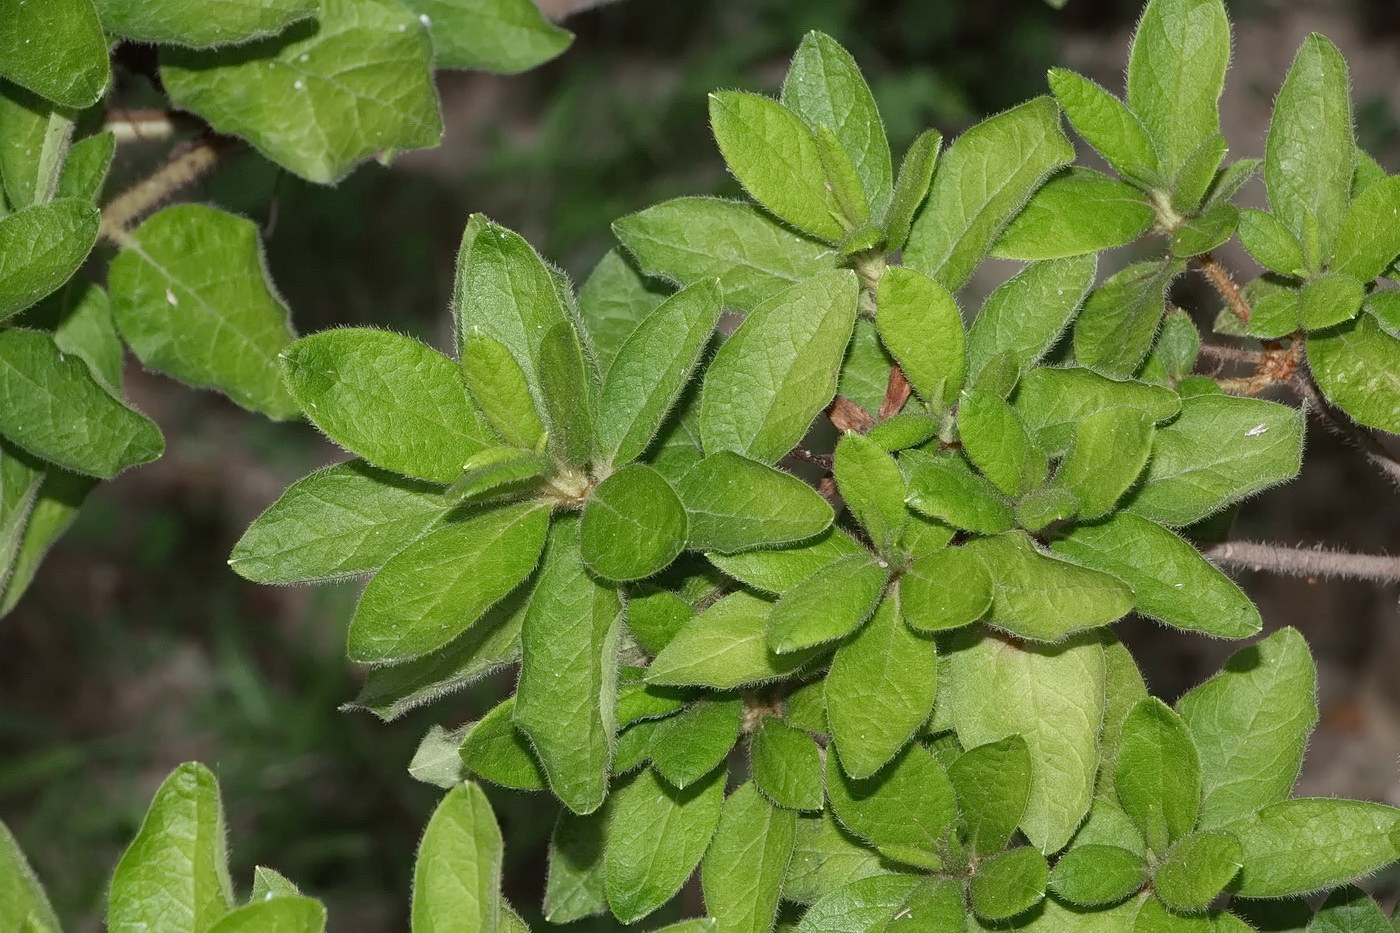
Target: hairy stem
x=1339 y=424
x=183 y=168
x=1306 y=562
x=1224 y=284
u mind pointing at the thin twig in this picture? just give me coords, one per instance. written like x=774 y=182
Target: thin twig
x=806 y=456
x=1219 y=351
x=1306 y=562
x=183 y=168
x=1360 y=438
x=142 y=126
x=1224 y=284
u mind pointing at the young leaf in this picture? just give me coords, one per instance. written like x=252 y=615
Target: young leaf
x=1303 y=845
x=1052 y=401
x=1170 y=579
x=1116 y=326
x=83 y=326
x=457 y=875
x=498 y=471
x=633 y=524
x=269 y=884
x=1038 y=596
x=86 y=168
x=1043 y=507
x=945 y=589
x=500 y=36
x=1194 y=177
x=1110 y=449
x=734 y=503
x=828 y=605
x=1220 y=449
x=174 y=875
x=920 y=324
x=500 y=390
x=743 y=869
x=724 y=647
x=495 y=750
x=902 y=431
x=52 y=407
x=946 y=488
x=1368 y=241
x=1077 y=212
x=1097 y=874
x=1028 y=312
x=1174 y=355
x=313 y=101
x=1196 y=869
x=575 y=885
x=438 y=586
x=1354 y=365
x=993 y=784
x=568 y=676
x=613 y=301
x=1107 y=124
x=1271 y=243
x=824 y=86
x=1251 y=723
x=779 y=369
x=388 y=398
x=23 y=903
x=688 y=240
x=981 y=183
x=844 y=182
x=786 y=765
x=55 y=49
x=997 y=443
x=1176 y=71
x=777 y=570
x=280 y=915
x=776 y=158
x=880 y=690
x=1009 y=883
x=915 y=174
x=691 y=744
x=1159 y=774
x=1206 y=231
x=1309 y=156
x=1050 y=695
x=436 y=761
x=652 y=368
x=40 y=249
x=567 y=388
x=656 y=836
x=908 y=807
x=342 y=521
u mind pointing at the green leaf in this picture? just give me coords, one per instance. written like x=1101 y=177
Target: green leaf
x=743 y=869
x=1176 y=71
x=1027 y=313
x=499 y=388
x=688 y=240
x=920 y=324
x=492 y=642
x=935 y=905
x=1009 y=883
x=734 y=503
x=60 y=494
x=844 y=183
x=691 y=744
x=981 y=184
x=860 y=906
x=280 y=915
x=806 y=708
x=775 y=156
x=269 y=884
x=638 y=700
x=828 y=605
x=902 y=431
x=1368 y=241
x=786 y=765
x=1309 y=155
x=1050 y=695
x=34 y=146
x=908 y=805
x=85 y=170
x=1097 y=874
x=1052 y=401
x=497 y=471
x=574 y=888
x=825 y=857
x=1077 y=212
x=824 y=87
x=1116 y=326
x=436 y=761
x=201 y=25
x=613 y=301
x=1229 y=180
x=915 y=175
x=495 y=750
x=323 y=97
x=52 y=407
x=655 y=616
x=438 y=586
x=40 y=248
x=656 y=836
x=565 y=700
x=501 y=36
x=652 y=367
x=1220 y=449
x=865 y=372
x=1384 y=306
x=1196 y=869
x=1251 y=723
x=1194 y=177
x=1354 y=365
x=945 y=589
x=55 y=49
x=191 y=296
x=1107 y=124
x=779 y=369
x=567 y=384
x=1349 y=910
x=993 y=785
x=1175 y=353
x=20 y=480
x=777 y=570
x=1038 y=596
x=1306 y=844
x=724 y=647
x=1170 y=579
x=996 y=441
x=1205 y=232
x=82 y=325
x=1271 y=243
x=342 y=521
x=1109 y=451
x=1039 y=509
x=946 y=488
x=1159 y=774
x=23 y=904
x=1330 y=298
x=388 y=398
x=880 y=690
x=633 y=524
x=457 y=875
x=174 y=875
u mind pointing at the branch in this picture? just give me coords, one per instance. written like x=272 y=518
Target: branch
x=1220 y=277
x=1306 y=562
x=185 y=167
x=1344 y=427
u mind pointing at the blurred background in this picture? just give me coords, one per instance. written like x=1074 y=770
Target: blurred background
x=137 y=648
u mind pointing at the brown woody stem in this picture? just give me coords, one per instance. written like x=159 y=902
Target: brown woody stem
x=1224 y=284
x=1306 y=562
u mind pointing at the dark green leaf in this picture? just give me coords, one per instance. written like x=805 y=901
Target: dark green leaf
x=1330 y=298
x=1205 y=232
x=946 y=488
x=921 y=326
x=945 y=589
x=1077 y=212
x=860 y=906
x=691 y=744
x=503 y=36
x=567 y=389
x=201 y=25
x=1116 y=326
x=497 y=471
x=828 y=605
x=85 y=171
x=1028 y=312
x=724 y=647
x=60 y=495
x=1368 y=240
x=1052 y=401
x=40 y=248
x=575 y=886
x=495 y=750
x=1009 y=883
x=613 y=301
x=915 y=174
x=993 y=784
x=735 y=503
x=55 y=49
x=1355 y=365
x=786 y=765
x=655 y=617
x=633 y=524
x=1349 y=910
